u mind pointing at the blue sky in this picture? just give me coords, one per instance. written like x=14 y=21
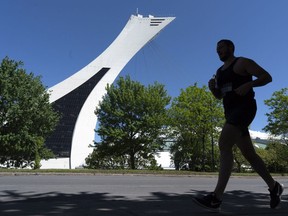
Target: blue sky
x=56 y=38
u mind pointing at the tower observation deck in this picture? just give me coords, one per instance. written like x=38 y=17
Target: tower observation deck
x=76 y=97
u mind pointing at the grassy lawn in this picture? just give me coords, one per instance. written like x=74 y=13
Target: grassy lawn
x=115 y=172
x=95 y=172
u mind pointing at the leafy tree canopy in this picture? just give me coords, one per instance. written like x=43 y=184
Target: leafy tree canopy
x=278 y=117
x=195 y=115
x=26 y=116
x=131 y=121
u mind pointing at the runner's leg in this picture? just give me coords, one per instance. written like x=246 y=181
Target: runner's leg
x=229 y=136
x=246 y=146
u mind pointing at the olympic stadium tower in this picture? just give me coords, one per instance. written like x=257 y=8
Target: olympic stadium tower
x=76 y=97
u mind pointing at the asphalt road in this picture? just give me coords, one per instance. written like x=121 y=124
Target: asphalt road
x=37 y=195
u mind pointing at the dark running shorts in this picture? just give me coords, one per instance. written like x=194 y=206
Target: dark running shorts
x=241 y=116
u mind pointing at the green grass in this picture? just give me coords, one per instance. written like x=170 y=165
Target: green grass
x=94 y=172
x=115 y=172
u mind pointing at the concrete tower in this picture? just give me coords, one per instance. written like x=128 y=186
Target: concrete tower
x=77 y=96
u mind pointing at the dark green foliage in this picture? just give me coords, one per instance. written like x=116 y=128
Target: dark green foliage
x=26 y=116
x=278 y=117
x=196 y=117
x=275 y=156
x=131 y=123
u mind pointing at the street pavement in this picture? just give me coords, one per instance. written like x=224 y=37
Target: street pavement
x=131 y=195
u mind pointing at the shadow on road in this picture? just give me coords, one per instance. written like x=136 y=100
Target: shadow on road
x=159 y=203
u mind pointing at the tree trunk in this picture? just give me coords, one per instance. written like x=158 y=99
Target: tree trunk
x=132 y=161
x=203 y=153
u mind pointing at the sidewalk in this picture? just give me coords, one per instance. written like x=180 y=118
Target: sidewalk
x=128 y=196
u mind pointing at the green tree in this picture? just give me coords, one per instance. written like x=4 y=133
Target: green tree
x=275 y=156
x=26 y=116
x=196 y=117
x=131 y=121
x=104 y=157
x=278 y=117
x=240 y=163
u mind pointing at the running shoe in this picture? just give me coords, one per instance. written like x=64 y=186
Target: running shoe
x=209 y=201
x=275 y=195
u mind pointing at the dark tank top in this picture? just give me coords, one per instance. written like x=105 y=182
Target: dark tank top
x=228 y=81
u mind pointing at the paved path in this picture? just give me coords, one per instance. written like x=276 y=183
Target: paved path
x=37 y=195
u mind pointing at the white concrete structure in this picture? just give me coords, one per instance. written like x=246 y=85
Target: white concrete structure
x=76 y=136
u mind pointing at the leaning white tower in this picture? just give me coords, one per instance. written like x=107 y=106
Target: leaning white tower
x=76 y=97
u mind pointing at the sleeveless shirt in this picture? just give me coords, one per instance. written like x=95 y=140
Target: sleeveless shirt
x=227 y=81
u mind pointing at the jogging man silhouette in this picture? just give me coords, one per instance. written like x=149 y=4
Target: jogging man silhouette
x=234 y=84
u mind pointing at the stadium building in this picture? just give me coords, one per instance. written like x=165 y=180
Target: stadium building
x=76 y=97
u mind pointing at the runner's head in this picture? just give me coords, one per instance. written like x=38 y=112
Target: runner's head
x=225 y=49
